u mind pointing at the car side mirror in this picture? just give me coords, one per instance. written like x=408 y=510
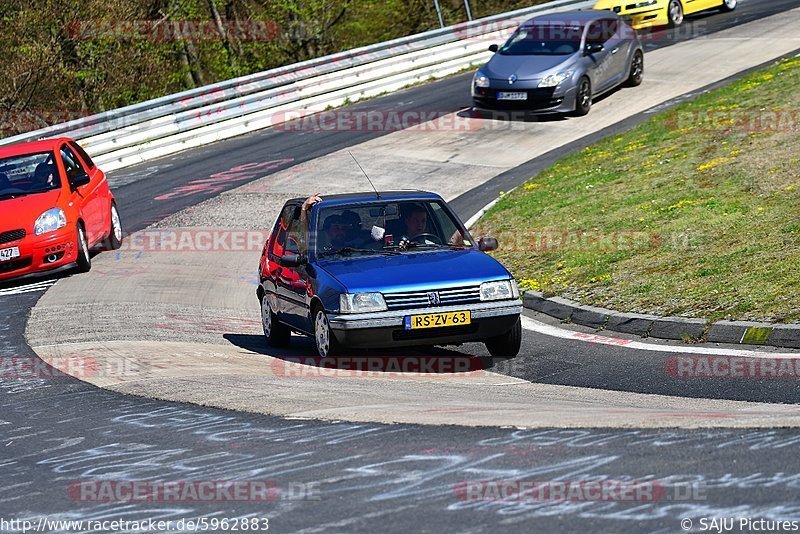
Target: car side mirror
x=79 y=180
x=493 y=48
x=487 y=244
x=593 y=48
x=290 y=259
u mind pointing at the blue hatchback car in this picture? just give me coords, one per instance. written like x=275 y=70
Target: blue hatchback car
x=380 y=270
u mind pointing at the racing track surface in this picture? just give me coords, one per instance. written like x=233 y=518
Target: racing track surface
x=59 y=429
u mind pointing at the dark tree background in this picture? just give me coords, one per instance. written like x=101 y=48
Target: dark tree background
x=53 y=72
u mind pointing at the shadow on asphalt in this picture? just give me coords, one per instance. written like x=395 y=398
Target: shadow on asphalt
x=425 y=360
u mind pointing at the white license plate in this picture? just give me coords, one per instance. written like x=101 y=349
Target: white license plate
x=512 y=96
x=9 y=253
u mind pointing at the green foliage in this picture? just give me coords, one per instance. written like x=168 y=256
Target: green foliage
x=52 y=68
x=691 y=213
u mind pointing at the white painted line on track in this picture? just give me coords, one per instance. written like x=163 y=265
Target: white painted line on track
x=553 y=331
x=28 y=288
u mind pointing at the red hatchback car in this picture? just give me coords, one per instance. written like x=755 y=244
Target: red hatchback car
x=55 y=205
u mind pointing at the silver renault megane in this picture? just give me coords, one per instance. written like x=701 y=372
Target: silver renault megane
x=558 y=63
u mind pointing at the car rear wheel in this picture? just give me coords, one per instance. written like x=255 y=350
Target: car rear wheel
x=675 y=13
x=506 y=345
x=637 y=69
x=84 y=262
x=326 y=342
x=115 y=230
x=277 y=334
x=729 y=5
x=583 y=98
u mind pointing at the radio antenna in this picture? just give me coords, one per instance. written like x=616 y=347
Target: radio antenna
x=377 y=195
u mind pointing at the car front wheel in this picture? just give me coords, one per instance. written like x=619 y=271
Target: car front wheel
x=115 y=230
x=84 y=262
x=583 y=98
x=729 y=5
x=506 y=345
x=675 y=12
x=323 y=335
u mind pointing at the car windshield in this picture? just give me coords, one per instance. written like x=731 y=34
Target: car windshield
x=28 y=175
x=386 y=228
x=543 y=40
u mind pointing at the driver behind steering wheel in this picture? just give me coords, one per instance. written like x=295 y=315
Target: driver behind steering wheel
x=415 y=222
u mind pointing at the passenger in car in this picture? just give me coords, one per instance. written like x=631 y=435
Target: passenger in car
x=335 y=232
x=357 y=236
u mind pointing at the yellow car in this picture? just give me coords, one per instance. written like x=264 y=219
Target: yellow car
x=650 y=13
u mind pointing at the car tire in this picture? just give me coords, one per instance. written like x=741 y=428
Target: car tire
x=84 y=262
x=277 y=334
x=583 y=97
x=114 y=239
x=324 y=339
x=637 y=69
x=675 y=13
x=729 y=5
x=506 y=345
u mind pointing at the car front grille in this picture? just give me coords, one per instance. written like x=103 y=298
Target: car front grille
x=12 y=235
x=433 y=333
x=420 y=299
x=13 y=265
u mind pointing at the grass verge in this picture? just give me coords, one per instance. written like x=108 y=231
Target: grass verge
x=695 y=212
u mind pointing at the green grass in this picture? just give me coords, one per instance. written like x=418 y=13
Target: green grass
x=684 y=217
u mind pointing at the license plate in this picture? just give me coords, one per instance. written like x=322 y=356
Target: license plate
x=9 y=253
x=512 y=96
x=437 y=320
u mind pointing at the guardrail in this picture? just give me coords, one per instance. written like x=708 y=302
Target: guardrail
x=156 y=128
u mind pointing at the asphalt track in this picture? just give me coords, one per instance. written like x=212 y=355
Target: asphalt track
x=59 y=429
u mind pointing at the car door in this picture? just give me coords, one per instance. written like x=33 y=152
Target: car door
x=271 y=269
x=88 y=198
x=600 y=62
x=96 y=175
x=618 y=45
x=693 y=6
x=292 y=282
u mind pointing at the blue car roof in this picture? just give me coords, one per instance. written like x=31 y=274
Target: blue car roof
x=369 y=196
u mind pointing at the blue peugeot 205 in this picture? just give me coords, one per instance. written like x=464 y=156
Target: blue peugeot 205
x=381 y=270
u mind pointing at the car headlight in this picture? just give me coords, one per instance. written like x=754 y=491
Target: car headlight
x=500 y=290
x=645 y=4
x=361 y=302
x=553 y=80
x=49 y=221
x=481 y=80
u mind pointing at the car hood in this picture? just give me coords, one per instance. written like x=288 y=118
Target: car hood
x=608 y=4
x=22 y=212
x=500 y=67
x=415 y=271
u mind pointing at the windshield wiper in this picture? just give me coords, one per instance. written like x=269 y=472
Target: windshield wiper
x=4 y=196
x=351 y=250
